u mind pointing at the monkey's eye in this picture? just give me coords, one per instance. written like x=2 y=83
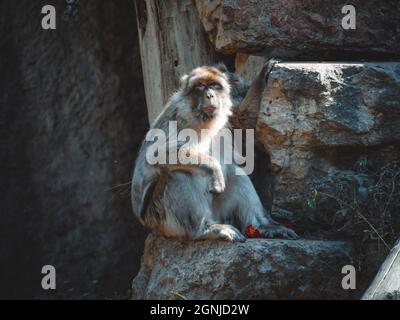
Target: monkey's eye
x=216 y=86
x=199 y=87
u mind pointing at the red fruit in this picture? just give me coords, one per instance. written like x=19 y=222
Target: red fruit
x=252 y=232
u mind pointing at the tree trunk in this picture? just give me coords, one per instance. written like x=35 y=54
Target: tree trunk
x=172 y=42
x=386 y=285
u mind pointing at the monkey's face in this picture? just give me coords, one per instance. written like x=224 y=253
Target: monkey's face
x=208 y=98
x=209 y=92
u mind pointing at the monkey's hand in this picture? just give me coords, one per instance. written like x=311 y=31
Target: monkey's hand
x=278 y=231
x=217 y=183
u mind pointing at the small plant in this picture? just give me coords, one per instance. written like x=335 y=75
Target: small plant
x=362 y=204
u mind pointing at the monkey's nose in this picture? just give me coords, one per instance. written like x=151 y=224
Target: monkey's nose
x=209 y=109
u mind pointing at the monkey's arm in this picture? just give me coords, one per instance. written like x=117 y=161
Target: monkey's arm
x=154 y=183
x=246 y=114
x=196 y=160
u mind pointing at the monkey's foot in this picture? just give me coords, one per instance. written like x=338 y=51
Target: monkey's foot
x=224 y=232
x=230 y=233
x=278 y=231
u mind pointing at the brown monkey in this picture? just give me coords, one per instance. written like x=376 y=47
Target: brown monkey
x=175 y=199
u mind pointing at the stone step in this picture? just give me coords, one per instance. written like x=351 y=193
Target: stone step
x=255 y=269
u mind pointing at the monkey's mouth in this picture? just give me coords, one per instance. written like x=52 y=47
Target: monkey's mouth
x=208 y=111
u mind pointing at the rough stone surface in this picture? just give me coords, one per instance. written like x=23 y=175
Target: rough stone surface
x=302 y=29
x=72 y=116
x=256 y=269
x=319 y=118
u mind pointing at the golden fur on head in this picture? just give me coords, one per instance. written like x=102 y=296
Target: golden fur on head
x=204 y=74
x=180 y=105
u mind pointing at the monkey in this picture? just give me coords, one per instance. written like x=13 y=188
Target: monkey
x=205 y=198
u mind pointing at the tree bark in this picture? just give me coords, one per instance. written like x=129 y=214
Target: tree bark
x=172 y=42
x=386 y=285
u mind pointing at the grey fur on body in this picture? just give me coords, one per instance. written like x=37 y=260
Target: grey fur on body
x=208 y=201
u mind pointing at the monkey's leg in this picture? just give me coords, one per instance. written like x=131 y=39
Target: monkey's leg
x=186 y=204
x=241 y=205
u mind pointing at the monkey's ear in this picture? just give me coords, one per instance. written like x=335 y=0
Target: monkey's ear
x=184 y=81
x=221 y=67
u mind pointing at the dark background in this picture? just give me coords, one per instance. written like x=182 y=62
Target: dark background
x=72 y=117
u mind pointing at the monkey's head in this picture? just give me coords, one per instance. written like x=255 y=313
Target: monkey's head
x=208 y=92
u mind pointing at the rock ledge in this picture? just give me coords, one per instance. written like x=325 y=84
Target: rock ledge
x=256 y=269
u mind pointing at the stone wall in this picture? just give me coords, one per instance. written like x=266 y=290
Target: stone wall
x=73 y=115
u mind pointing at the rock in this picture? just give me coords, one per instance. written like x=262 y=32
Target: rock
x=256 y=269
x=73 y=115
x=386 y=285
x=302 y=29
x=318 y=119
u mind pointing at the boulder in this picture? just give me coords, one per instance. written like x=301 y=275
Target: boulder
x=302 y=29
x=318 y=119
x=255 y=269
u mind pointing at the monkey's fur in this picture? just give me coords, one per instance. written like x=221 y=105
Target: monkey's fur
x=206 y=200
